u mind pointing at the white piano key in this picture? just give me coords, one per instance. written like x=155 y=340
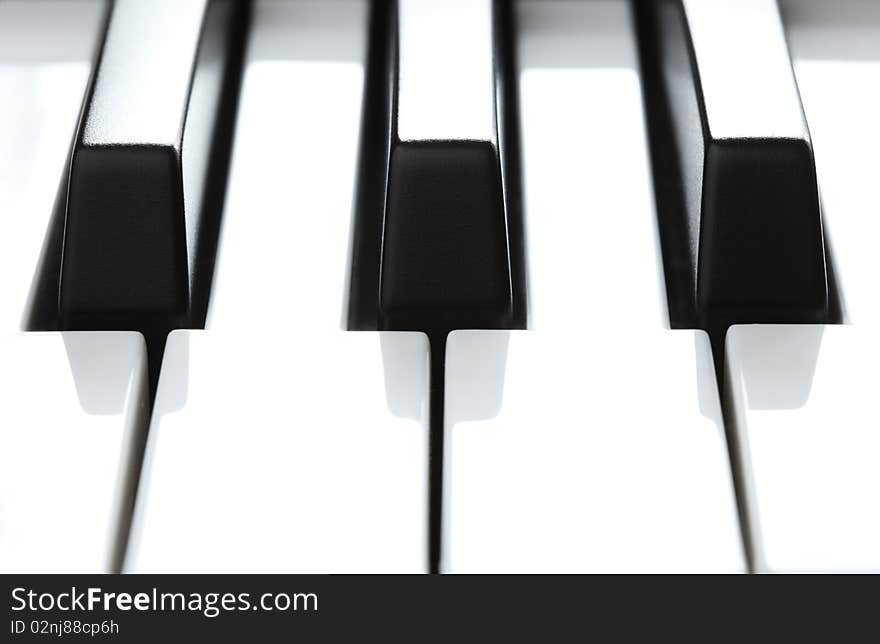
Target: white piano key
x=72 y=410
x=291 y=179
x=588 y=190
x=576 y=447
x=805 y=413
x=446 y=74
x=836 y=56
x=607 y=455
x=745 y=73
x=292 y=445
x=46 y=52
x=278 y=452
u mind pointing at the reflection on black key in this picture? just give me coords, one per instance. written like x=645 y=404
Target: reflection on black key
x=148 y=166
x=733 y=164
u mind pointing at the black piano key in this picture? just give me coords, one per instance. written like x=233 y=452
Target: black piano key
x=734 y=173
x=148 y=167
x=437 y=233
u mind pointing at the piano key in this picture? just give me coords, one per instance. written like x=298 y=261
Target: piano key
x=73 y=409
x=308 y=469
x=266 y=178
x=313 y=445
x=803 y=402
x=606 y=453
x=733 y=163
x=580 y=185
x=447 y=230
x=572 y=448
x=836 y=57
x=46 y=51
x=148 y=166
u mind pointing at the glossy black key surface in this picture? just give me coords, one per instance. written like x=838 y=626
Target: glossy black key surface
x=148 y=168
x=735 y=178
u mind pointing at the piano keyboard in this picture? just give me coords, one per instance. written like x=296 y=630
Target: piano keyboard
x=418 y=286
